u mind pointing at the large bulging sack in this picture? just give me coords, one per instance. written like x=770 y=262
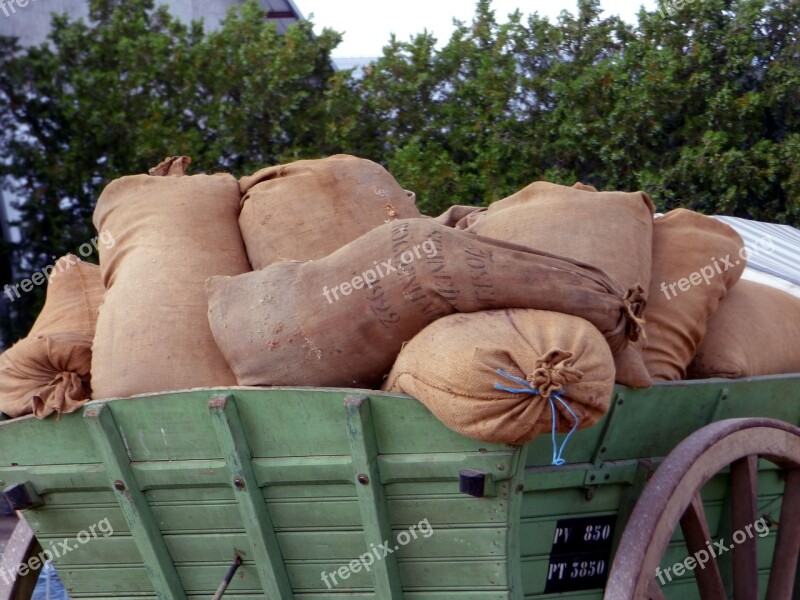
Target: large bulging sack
x=611 y=230
x=49 y=371
x=341 y=320
x=696 y=259
x=172 y=232
x=455 y=365
x=307 y=209
x=755 y=331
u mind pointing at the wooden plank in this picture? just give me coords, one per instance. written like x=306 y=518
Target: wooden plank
x=196 y=510
x=252 y=505
x=725 y=533
x=686 y=405
x=694 y=525
x=444 y=466
x=50 y=478
x=326 y=545
x=135 y=508
x=423 y=575
x=66 y=442
x=555 y=478
x=534 y=570
x=371 y=495
x=720 y=408
x=143 y=419
x=744 y=506
x=573 y=502
x=284 y=471
x=608 y=426
x=513 y=533
x=629 y=497
x=453 y=510
x=404 y=425
x=782 y=579
x=686 y=589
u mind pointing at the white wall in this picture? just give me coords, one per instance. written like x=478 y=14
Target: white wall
x=29 y=20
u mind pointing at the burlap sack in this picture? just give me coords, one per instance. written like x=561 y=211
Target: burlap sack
x=74 y=295
x=452 y=366
x=611 y=230
x=172 y=232
x=461 y=217
x=307 y=209
x=341 y=320
x=755 y=331
x=48 y=371
x=696 y=259
x=43 y=374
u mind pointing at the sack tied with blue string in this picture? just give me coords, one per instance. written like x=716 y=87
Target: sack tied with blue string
x=506 y=376
x=610 y=230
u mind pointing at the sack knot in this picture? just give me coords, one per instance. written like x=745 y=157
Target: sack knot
x=635 y=302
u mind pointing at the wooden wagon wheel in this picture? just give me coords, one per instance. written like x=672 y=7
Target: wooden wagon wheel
x=672 y=497
x=21 y=547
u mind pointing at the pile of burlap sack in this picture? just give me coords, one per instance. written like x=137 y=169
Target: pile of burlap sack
x=324 y=273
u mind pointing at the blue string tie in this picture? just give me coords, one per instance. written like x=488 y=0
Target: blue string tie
x=529 y=389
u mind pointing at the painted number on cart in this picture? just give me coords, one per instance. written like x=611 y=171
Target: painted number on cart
x=579 y=570
x=588 y=568
x=580 y=554
x=596 y=533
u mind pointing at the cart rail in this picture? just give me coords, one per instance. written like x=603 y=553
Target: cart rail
x=304 y=482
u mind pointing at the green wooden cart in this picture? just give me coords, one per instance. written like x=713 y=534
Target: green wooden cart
x=332 y=493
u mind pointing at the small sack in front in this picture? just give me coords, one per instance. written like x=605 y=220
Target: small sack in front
x=43 y=374
x=755 y=331
x=49 y=370
x=610 y=230
x=464 y=366
x=341 y=320
x=307 y=209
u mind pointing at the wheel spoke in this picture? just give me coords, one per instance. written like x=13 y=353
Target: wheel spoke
x=663 y=504
x=655 y=592
x=787 y=546
x=695 y=531
x=744 y=493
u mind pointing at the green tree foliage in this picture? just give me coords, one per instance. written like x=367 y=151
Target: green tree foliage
x=699 y=105
x=116 y=94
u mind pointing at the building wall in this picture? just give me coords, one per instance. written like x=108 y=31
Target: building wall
x=29 y=20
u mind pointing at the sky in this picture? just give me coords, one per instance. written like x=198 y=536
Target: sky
x=367 y=24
